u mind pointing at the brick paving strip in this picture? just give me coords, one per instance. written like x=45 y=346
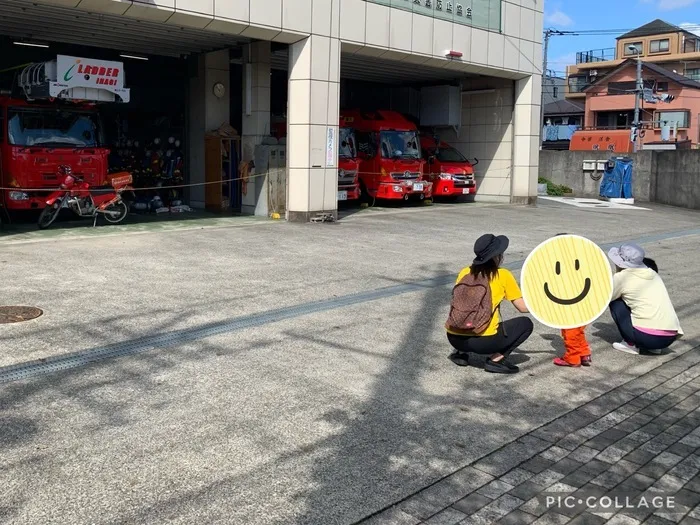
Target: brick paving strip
x=641 y=439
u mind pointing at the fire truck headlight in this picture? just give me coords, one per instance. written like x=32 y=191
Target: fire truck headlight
x=398 y=189
x=18 y=196
x=446 y=176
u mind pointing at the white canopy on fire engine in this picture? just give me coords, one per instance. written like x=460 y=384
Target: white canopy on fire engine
x=75 y=78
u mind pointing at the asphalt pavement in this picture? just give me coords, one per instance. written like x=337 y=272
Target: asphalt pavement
x=246 y=371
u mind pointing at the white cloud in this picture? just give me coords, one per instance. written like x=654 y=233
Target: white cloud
x=670 y=5
x=693 y=28
x=559 y=18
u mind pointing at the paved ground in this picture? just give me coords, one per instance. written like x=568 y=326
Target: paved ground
x=278 y=373
x=632 y=445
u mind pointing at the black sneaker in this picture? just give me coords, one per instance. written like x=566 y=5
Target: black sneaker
x=500 y=367
x=459 y=358
x=510 y=365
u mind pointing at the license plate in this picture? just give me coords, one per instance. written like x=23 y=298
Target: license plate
x=418 y=186
x=466 y=191
x=342 y=195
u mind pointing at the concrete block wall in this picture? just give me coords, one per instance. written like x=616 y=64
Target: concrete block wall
x=664 y=177
x=676 y=179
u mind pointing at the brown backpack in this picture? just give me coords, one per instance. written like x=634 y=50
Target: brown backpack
x=471 y=309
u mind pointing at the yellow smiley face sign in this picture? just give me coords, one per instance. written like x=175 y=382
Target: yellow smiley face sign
x=567 y=282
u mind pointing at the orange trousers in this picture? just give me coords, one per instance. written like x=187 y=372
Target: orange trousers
x=575 y=344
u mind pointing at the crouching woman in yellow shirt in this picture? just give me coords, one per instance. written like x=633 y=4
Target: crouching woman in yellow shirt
x=499 y=339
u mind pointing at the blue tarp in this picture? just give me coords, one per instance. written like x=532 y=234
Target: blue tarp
x=617 y=179
x=559 y=132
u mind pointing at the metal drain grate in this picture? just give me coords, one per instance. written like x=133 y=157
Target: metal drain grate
x=18 y=314
x=81 y=358
x=78 y=359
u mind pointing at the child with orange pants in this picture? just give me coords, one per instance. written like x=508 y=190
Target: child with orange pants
x=578 y=353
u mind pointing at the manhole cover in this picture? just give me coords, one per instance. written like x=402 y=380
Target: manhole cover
x=17 y=314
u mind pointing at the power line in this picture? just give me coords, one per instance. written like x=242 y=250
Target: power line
x=688 y=28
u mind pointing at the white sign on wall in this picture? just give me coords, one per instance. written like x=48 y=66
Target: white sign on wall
x=330 y=147
x=77 y=72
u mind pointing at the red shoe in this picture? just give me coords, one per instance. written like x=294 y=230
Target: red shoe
x=586 y=361
x=560 y=362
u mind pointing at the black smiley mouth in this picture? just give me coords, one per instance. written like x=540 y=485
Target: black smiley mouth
x=568 y=302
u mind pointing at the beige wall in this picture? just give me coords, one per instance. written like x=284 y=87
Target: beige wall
x=674 y=45
x=487 y=134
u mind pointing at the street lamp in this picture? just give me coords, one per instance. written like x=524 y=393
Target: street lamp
x=639 y=91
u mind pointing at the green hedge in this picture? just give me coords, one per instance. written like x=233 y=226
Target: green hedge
x=555 y=190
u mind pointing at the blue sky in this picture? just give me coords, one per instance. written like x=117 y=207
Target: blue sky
x=572 y=15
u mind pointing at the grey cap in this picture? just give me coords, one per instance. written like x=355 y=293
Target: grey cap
x=627 y=256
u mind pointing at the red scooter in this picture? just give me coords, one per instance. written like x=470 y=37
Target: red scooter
x=77 y=195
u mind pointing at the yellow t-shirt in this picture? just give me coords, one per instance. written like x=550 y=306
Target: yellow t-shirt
x=503 y=286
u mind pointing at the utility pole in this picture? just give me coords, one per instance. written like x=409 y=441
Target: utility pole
x=638 y=94
x=545 y=51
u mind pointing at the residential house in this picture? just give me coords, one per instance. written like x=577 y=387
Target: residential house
x=553 y=89
x=658 y=42
x=670 y=109
x=561 y=119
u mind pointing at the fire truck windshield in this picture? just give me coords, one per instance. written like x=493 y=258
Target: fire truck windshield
x=53 y=127
x=399 y=144
x=347 y=143
x=450 y=154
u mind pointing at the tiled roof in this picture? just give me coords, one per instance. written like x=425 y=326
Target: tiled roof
x=564 y=107
x=657 y=27
x=654 y=68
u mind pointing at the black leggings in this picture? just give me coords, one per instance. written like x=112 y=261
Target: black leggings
x=622 y=315
x=511 y=334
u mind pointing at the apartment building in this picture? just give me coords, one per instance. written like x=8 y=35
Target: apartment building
x=657 y=42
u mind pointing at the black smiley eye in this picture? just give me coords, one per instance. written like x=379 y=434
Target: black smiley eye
x=578 y=265
x=558 y=268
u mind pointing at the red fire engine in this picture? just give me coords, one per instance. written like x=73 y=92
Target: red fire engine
x=49 y=119
x=391 y=166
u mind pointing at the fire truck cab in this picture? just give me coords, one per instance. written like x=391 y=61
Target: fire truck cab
x=388 y=147
x=451 y=173
x=49 y=119
x=348 y=165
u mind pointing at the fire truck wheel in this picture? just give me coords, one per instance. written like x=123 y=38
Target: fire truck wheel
x=48 y=215
x=116 y=213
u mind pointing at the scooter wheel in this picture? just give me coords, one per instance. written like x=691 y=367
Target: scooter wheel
x=49 y=215
x=116 y=213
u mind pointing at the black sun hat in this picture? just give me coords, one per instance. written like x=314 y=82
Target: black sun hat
x=489 y=246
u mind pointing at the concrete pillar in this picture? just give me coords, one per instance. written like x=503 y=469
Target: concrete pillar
x=313 y=116
x=526 y=140
x=256 y=110
x=206 y=113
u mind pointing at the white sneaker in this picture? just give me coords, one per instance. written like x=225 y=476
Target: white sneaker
x=624 y=347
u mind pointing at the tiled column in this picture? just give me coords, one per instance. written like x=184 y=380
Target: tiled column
x=256 y=108
x=313 y=116
x=526 y=140
x=206 y=113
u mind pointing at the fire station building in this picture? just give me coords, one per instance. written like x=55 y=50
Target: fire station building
x=468 y=70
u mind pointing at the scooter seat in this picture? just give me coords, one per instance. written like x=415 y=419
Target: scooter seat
x=102 y=190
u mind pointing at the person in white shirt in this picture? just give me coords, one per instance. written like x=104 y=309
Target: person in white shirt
x=641 y=306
